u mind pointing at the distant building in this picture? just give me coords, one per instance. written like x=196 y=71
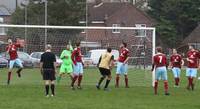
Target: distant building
x=141 y=4
x=117 y=14
x=192 y=39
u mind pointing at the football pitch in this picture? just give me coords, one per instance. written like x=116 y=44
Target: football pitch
x=27 y=92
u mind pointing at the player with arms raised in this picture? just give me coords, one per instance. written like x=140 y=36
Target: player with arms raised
x=192 y=66
x=78 y=66
x=160 y=63
x=67 y=65
x=122 y=65
x=11 y=49
x=176 y=62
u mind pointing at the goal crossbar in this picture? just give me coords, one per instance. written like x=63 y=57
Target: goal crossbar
x=73 y=27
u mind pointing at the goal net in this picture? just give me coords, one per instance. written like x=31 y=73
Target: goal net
x=140 y=42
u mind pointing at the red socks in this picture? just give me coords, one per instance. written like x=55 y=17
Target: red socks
x=156 y=87
x=126 y=81
x=80 y=79
x=74 y=80
x=166 y=86
x=117 y=81
x=9 y=76
x=190 y=81
x=177 y=81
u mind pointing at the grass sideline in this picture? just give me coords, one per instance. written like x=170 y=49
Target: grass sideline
x=28 y=93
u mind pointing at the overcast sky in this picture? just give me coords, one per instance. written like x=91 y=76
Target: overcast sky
x=10 y=4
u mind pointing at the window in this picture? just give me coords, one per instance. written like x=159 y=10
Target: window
x=83 y=31
x=23 y=55
x=140 y=32
x=34 y=55
x=2 y=30
x=196 y=45
x=116 y=30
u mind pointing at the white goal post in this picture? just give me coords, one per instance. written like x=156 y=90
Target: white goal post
x=153 y=29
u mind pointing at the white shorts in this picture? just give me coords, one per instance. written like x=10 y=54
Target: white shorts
x=177 y=72
x=161 y=73
x=17 y=61
x=78 y=68
x=191 y=72
x=122 y=68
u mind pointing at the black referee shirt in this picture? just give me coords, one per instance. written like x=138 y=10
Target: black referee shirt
x=48 y=59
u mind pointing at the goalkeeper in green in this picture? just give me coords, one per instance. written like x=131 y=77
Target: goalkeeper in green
x=67 y=66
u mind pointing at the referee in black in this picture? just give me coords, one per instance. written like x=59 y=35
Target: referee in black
x=48 y=70
x=106 y=62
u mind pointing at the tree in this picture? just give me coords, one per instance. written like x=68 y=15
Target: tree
x=60 y=12
x=175 y=19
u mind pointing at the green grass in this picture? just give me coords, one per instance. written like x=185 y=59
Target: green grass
x=28 y=93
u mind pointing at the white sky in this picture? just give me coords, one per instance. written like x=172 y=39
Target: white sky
x=10 y=4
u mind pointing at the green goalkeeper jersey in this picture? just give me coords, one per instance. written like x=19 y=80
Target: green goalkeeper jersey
x=66 y=56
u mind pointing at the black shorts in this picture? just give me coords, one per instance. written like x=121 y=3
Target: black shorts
x=104 y=72
x=49 y=74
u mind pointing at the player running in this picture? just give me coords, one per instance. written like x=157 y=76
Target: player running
x=160 y=63
x=192 y=66
x=106 y=62
x=78 y=66
x=122 y=65
x=176 y=62
x=67 y=65
x=48 y=69
x=11 y=49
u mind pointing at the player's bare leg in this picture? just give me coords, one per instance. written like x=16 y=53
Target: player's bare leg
x=117 y=81
x=80 y=77
x=100 y=81
x=71 y=76
x=126 y=81
x=75 y=77
x=58 y=78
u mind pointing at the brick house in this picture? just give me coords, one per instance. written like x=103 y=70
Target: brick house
x=120 y=15
x=192 y=39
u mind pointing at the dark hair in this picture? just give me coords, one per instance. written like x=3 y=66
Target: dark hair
x=9 y=38
x=78 y=44
x=159 y=49
x=192 y=46
x=125 y=44
x=109 y=49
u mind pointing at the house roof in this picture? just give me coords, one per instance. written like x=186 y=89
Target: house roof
x=4 y=11
x=105 y=10
x=194 y=37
